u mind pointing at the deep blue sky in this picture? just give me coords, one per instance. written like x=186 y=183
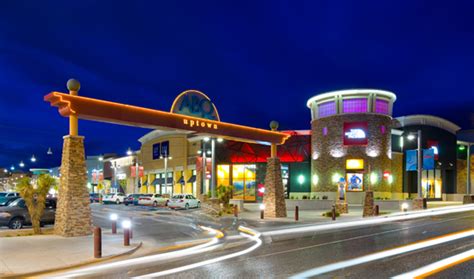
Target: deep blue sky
x=257 y=60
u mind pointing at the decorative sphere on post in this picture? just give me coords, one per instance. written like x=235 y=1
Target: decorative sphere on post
x=274 y=125
x=73 y=85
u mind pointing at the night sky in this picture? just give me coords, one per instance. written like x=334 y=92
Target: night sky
x=257 y=60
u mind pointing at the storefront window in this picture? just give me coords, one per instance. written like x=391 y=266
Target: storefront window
x=285 y=175
x=223 y=175
x=327 y=109
x=243 y=177
x=381 y=106
x=431 y=184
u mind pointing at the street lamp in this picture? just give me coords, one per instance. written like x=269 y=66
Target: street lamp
x=129 y=151
x=420 y=160
x=33 y=158
x=49 y=152
x=166 y=158
x=211 y=152
x=21 y=164
x=101 y=158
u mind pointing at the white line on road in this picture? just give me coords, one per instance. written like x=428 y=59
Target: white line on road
x=384 y=254
x=372 y=221
x=438 y=266
x=255 y=237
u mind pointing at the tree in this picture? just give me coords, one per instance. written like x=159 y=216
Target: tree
x=34 y=195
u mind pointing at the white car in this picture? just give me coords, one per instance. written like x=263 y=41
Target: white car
x=153 y=199
x=185 y=201
x=114 y=198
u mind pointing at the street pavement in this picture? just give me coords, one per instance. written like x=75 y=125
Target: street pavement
x=290 y=256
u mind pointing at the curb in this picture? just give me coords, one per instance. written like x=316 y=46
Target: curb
x=59 y=269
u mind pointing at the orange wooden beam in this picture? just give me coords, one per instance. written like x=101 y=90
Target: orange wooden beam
x=105 y=111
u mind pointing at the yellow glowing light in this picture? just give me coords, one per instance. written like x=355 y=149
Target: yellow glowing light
x=355 y=164
x=390 y=179
x=315 y=179
x=374 y=178
x=335 y=177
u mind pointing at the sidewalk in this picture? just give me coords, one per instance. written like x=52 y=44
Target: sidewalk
x=26 y=254
x=251 y=215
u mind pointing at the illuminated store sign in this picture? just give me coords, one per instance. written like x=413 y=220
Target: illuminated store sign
x=196 y=104
x=199 y=123
x=355 y=133
x=355 y=164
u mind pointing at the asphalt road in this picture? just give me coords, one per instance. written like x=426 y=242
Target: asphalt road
x=293 y=254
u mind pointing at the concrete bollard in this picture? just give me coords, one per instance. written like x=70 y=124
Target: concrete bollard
x=131 y=228
x=236 y=211
x=333 y=212
x=114 y=227
x=425 y=203
x=97 y=242
x=297 y=213
x=376 y=210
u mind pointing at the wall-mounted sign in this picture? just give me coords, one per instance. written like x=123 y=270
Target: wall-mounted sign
x=355 y=181
x=355 y=133
x=196 y=104
x=354 y=164
x=429 y=159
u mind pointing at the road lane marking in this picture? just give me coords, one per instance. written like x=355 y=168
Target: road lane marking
x=249 y=233
x=384 y=254
x=438 y=266
x=357 y=237
x=372 y=221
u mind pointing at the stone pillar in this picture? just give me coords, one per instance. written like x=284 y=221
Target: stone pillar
x=417 y=204
x=368 y=204
x=73 y=213
x=274 y=198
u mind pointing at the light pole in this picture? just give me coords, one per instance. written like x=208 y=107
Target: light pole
x=419 y=160
x=204 y=164
x=166 y=158
x=213 y=184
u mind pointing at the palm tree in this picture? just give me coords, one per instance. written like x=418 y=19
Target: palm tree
x=35 y=197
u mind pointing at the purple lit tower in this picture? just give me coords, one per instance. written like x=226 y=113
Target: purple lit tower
x=351 y=139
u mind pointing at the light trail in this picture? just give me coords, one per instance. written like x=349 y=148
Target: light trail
x=254 y=235
x=438 y=266
x=208 y=246
x=372 y=221
x=384 y=254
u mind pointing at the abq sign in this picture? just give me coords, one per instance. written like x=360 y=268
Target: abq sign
x=195 y=104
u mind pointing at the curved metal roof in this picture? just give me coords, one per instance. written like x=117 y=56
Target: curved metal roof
x=428 y=120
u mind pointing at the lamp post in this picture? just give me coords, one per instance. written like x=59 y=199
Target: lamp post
x=166 y=158
x=419 y=160
x=204 y=164
x=213 y=184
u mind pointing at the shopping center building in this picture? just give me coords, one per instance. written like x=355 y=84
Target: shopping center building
x=353 y=138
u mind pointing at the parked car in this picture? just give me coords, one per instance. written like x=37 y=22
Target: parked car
x=153 y=199
x=16 y=215
x=7 y=197
x=117 y=198
x=185 y=201
x=132 y=199
x=94 y=197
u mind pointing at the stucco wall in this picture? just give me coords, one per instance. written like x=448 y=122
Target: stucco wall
x=397 y=172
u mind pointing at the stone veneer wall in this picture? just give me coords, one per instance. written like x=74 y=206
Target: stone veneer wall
x=329 y=154
x=274 y=198
x=397 y=173
x=462 y=175
x=73 y=214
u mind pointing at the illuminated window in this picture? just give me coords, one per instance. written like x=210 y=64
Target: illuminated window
x=327 y=109
x=381 y=106
x=355 y=164
x=354 y=105
x=223 y=175
x=243 y=178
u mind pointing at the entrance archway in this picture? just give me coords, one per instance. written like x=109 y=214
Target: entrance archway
x=192 y=111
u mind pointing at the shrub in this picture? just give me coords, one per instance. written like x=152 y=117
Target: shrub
x=329 y=214
x=305 y=197
x=325 y=197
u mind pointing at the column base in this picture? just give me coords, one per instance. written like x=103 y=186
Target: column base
x=342 y=207
x=419 y=204
x=467 y=199
x=368 y=204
